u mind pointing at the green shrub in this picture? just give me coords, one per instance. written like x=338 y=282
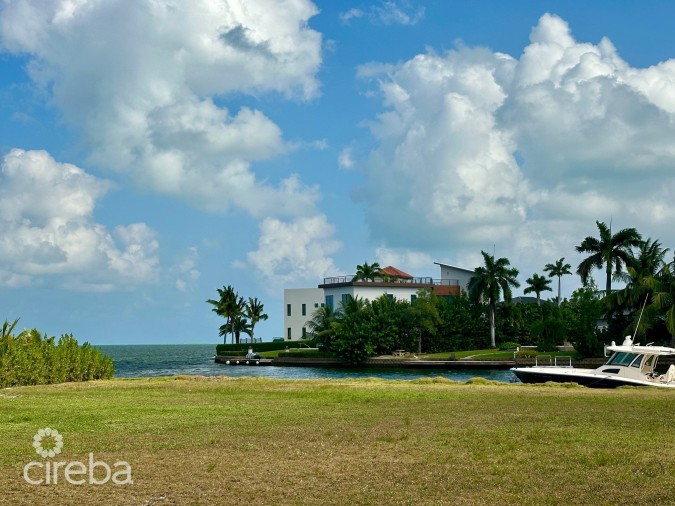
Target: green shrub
x=526 y=354
x=32 y=359
x=307 y=354
x=227 y=349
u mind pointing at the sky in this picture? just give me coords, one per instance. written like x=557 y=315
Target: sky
x=153 y=151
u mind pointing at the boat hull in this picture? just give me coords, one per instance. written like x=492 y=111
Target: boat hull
x=585 y=377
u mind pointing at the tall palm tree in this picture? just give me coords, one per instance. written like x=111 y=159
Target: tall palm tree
x=367 y=272
x=239 y=324
x=644 y=269
x=537 y=284
x=229 y=306
x=642 y=265
x=610 y=250
x=489 y=282
x=254 y=312
x=559 y=269
x=663 y=298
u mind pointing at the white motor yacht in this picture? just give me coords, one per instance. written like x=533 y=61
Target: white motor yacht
x=629 y=364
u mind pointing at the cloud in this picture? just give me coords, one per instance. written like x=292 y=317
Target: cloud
x=477 y=148
x=47 y=229
x=186 y=271
x=148 y=86
x=345 y=160
x=294 y=252
x=144 y=84
x=404 y=259
x=387 y=13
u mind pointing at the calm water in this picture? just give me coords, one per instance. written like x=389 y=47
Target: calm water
x=136 y=361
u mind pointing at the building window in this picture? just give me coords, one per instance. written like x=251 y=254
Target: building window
x=304 y=310
x=304 y=333
x=288 y=333
x=413 y=298
x=329 y=301
x=390 y=296
x=288 y=310
x=345 y=298
x=316 y=305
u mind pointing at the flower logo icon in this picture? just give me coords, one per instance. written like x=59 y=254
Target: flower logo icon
x=47 y=442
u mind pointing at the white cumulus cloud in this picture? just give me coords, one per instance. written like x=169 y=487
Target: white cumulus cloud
x=292 y=252
x=477 y=148
x=143 y=82
x=47 y=229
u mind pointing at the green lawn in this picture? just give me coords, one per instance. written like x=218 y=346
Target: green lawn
x=209 y=441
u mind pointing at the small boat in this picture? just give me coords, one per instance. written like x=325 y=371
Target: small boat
x=629 y=364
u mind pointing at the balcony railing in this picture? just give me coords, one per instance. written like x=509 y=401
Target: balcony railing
x=336 y=280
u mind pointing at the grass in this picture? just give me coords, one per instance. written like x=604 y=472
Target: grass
x=199 y=441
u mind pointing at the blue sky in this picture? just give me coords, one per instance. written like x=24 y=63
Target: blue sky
x=152 y=152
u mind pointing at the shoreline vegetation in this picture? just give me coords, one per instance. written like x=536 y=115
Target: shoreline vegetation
x=216 y=440
x=31 y=358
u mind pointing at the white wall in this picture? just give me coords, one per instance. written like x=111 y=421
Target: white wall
x=312 y=298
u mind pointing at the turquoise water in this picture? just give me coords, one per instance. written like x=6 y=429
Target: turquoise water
x=137 y=361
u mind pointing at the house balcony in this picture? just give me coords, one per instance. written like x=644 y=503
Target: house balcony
x=423 y=282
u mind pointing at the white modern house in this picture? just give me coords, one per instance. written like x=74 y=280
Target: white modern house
x=300 y=303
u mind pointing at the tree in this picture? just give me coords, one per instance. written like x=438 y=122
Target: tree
x=663 y=299
x=537 y=284
x=322 y=325
x=238 y=325
x=559 y=269
x=425 y=315
x=254 y=312
x=610 y=250
x=489 y=282
x=367 y=272
x=229 y=306
x=642 y=269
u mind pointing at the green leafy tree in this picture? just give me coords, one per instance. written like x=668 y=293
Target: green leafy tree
x=558 y=269
x=609 y=250
x=487 y=284
x=367 y=272
x=230 y=306
x=584 y=310
x=425 y=317
x=537 y=284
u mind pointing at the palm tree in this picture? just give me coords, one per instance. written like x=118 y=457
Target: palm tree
x=559 y=269
x=663 y=298
x=491 y=280
x=642 y=270
x=322 y=324
x=238 y=325
x=367 y=272
x=612 y=251
x=537 y=284
x=641 y=266
x=254 y=312
x=229 y=306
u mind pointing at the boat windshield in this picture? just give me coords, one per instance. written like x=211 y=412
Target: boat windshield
x=621 y=358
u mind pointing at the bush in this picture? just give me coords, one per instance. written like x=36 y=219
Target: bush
x=307 y=354
x=508 y=346
x=526 y=354
x=32 y=359
x=228 y=349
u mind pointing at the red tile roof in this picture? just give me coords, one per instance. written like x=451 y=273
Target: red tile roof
x=395 y=273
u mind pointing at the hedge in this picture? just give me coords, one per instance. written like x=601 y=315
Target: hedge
x=227 y=349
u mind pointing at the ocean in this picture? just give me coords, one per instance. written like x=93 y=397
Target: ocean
x=139 y=361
